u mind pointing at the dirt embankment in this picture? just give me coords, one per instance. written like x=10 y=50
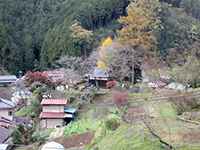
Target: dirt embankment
x=78 y=140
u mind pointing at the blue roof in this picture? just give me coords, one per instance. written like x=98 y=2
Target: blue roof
x=70 y=110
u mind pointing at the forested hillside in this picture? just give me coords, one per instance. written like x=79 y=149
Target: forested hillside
x=33 y=31
x=34 y=34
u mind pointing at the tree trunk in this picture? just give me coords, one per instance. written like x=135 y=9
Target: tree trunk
x=132 y=75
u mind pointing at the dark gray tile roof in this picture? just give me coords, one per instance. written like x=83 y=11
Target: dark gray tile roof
x=100 y=73
x=4 y=134
x=3 y=119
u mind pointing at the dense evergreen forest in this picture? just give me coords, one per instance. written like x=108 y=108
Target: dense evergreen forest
x=34 y=34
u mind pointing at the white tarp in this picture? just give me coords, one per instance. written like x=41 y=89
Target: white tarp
x=176 y=86
x=53 y=146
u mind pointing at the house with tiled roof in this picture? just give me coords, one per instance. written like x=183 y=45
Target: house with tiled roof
x=6 y=123
x=52 y=114
x=55 y=75
x=6 y=109
x=98 y=78
x=7 y=79
x=4 y=135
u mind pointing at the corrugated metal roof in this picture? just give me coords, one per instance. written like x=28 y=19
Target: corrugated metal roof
x=100 y=73
x=6 y=104
x=52 y=115
x=54 y=102
x=8 y=78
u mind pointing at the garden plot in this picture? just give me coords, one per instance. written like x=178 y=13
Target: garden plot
x=128 y=137
x=165 y=124
x=76 y=141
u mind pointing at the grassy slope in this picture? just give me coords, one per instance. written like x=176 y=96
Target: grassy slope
x=164 y=123
x=128 y=137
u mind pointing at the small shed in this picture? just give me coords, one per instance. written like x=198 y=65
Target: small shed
x=6 y=108
x=99 y=77
x=70 y=114
x=53 y=146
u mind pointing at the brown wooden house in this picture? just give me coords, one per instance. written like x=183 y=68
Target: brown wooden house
x=52 y=114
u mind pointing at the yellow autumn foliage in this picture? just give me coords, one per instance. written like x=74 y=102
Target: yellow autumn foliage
x=101 y=63
x=107 y=42
x=139 y=25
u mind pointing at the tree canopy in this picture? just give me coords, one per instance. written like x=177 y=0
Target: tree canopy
x=35 y=34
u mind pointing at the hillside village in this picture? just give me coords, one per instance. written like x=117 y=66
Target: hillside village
x=72 y=113
x=100 y=75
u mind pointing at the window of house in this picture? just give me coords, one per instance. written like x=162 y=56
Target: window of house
x=10 y=113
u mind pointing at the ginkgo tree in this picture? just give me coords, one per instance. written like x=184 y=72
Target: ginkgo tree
x=137 y=39
x=140 y=25
x=104 y=53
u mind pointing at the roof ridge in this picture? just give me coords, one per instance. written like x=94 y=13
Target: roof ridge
x=5 y=101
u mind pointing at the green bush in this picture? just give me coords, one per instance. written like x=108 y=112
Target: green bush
x=36 y=87
x=41 y=136
x=23 y=135
x=112 y=124
x=89 y=95
x=32 y=111
x=81 y=126
x=73 y=95
x=37 y=137
x=23 y=112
